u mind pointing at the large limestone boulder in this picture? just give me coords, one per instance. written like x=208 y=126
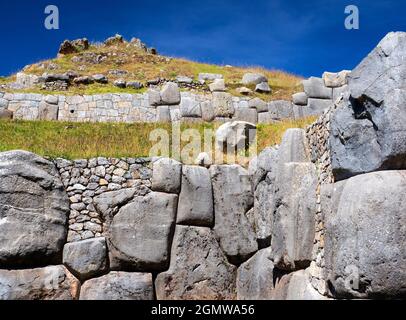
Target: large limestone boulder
x=5 y=114
x=255 y=278
x=119 y=286
x=50 y=283
x=382 y=71
x=170 y=94
x=34 y=211
x=233 y=198
x=166 y=175
x=236 y=135
x=315 y=88
x=87 y=258
x=296 y=286
x=294 y=220
x=253 y=79
x=196 y=198
x=140 y=233
x=199 y=270
x=368 y=129
x=365 y=237
x=294 y=147
x=223 y=104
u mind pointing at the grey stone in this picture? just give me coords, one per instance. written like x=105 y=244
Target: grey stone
x=140 y=233
x=51 y=99
x=119 y=286
x=208 y=112
x=336 y=80
x=300 y=99
x=364 y=245
x=246 y=114
x=255 y=277
x=281 y=109
x=163 y=114
x=265 y=118
x=315 y=88
x=108 y=204
x=190 y=108
x=34 y=211
x=236 y=135
x=166 y=176
x=209 y=76
x=223 y=104
x=316 y=107
x=382 y=71
x=184 y=79
x=263 y=88
x=196 y=198
x=120 y=83
x=254 y=78
x=204 y=160
x=154 y=97
x=366 y=138
x=50 y=283
x=218 y=85
x=294 y=219
x=258 y=104
x=86 y=259
x=198 y=271
x=135 y=85
x=48 y=112
x=266 y=162
x=296 y=286
x=100 y=78
x=233 y=198
x=294 y=147
x=170 y=94
x=264 y=207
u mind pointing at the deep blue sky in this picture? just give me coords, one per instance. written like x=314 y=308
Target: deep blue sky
x=304 y=37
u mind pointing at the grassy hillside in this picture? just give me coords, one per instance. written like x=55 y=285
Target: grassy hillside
x=142 y=66
x=86 y=140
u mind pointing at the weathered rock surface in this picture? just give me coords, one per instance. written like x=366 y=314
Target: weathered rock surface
x=315 y=88
x=166 y=176
x=119 y=286
x=365 y=237
x=262 y=215
x=294 y=221
x=254 y=78
x=294 y=147
x=255 y=278
x=50 y=283
x=86 y=259
x=170 y=94
x=368 y=129
x=140 y=233
x=336 y=80
x=263 y=88
x=196 y=198
x=236 y=135
x=223 y=104
x=300 y=98
x=233 y=198
x=382 y=71
x=33 y=211
x=296 y=286
x=218 y=85
x=199 y=270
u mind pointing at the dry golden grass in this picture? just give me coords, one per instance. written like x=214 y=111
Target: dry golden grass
x=142 y=67
x=86 y=140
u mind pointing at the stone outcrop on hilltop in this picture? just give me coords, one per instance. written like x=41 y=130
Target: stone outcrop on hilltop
x=303 y=222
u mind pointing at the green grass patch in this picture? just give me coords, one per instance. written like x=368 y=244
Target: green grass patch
x=87 y=140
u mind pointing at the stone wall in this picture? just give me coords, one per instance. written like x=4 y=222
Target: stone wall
x=168 y=104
